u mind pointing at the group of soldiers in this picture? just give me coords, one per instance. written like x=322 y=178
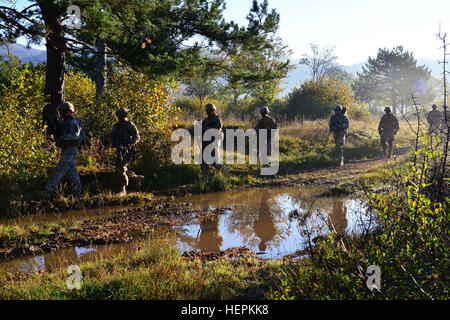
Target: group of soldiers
x=213 y=121
x=69 y=136
x=387 y=128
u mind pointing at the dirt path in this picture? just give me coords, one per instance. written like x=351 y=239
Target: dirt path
x=333 y=175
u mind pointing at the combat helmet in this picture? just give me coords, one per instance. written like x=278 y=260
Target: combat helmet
x=264 y=110
x=122 y=112
x=434 y=107
x=210 y=107
x=337 y=108
x=66 y=107
x=387 y=110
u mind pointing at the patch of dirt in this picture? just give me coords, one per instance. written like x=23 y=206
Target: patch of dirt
x=119 y=228
x=211 y=255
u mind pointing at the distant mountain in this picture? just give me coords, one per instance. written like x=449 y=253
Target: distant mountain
x=25 y=54
x=301 y=73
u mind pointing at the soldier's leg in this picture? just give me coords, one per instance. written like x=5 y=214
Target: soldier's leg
x=384 y=145
x=390 y=147
x=336 y=144
x=136 y=177
x=122 y=170
x=65 y=163
x=340 y=140
x=74 y=177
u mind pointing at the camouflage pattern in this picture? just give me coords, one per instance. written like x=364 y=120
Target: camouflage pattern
x=434 y=119
x=124 y=137
x=124 y=134
x=213 y=121
x=65 y=167
x=339 y=125
x=388 y=125
x=388 y=128
x=267 y=123
x=69 y=135
x=387 y=142
x=339 y=122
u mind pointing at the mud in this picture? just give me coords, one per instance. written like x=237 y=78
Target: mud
x=120 y=228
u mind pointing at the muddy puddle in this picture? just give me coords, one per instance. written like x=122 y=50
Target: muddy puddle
x=271 y=222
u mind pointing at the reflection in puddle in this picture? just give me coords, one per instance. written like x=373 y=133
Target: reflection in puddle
x=82 y=251
x=261 y=219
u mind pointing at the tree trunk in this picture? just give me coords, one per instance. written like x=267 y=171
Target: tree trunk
x=54 y=75
x=100 y=67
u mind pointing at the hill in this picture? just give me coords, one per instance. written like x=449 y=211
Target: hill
x=25 y=54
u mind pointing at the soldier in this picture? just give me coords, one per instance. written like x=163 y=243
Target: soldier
x=339 y=125
x=387 y=129
x=69 y=136
x=266 y=123
x=125 y=136
x=434 y=119
x=212 y=121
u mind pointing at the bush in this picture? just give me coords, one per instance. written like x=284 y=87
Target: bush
x=409 y=245
x=23 y=151
x=25 y=156
x=315 y=99
x=189 y=106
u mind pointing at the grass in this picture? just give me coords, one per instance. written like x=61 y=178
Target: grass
x=22 y=204
x=153 y=272
x=303 y=146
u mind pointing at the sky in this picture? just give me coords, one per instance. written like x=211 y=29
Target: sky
x=356 y=28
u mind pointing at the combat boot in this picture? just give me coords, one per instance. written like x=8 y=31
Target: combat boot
x=122 y=192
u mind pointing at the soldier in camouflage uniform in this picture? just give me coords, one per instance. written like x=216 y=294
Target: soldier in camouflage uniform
x=125 y=136
x=69 y=136
x=339 y=125
x=212 y=121
x=267 y=123
x=387 y=129
x=434 y=119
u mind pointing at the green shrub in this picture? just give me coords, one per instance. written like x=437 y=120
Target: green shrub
x=409 y=245
x=315 y=100
x=24 y=153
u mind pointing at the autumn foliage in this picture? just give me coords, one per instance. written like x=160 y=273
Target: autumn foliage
x=25 y=153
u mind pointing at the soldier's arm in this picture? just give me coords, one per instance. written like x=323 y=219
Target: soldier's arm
x=83 y=141
x=346 y=122
x=135 y=137
x=115 y=136
x=219 y=124
x=274 y=124
x=396 y=125
x=380 y=126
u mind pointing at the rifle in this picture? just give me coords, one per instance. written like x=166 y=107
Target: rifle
x=128 y=154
